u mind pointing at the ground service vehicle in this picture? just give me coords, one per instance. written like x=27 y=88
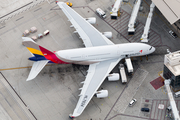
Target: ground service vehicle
x=173 y=34
x=129 y=65
x=145 y=109
x=122 y=73
x=133 y=101
x=169 y=108
x=101 y=12
x=69 y=4
x=177 y=94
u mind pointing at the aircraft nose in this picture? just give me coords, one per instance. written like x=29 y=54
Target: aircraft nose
x=153 y=49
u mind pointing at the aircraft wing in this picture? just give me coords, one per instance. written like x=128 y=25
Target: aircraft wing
x=97 y=72
x=90 y=35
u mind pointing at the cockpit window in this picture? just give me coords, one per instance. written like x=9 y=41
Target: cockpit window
x=150 y=48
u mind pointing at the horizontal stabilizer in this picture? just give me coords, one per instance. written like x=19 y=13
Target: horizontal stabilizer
x=36 y=68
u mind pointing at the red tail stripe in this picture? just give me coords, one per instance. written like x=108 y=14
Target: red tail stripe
x=51 y=56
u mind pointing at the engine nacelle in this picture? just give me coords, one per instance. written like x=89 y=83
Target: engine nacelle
x=101 y=94
x=113 y=77
x=107 y=34
x=91 y=20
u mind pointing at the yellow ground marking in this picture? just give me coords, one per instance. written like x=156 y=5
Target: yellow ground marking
x=145 y=15
x=159 y=73
x=35 y=51
x=163 y=90
x=162 y=80
x=17 y=68
x=130 y=4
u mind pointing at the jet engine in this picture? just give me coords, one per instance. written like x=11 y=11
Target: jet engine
x=101 y=94
x=107 y=34
x=113 y=77
x=91 y=20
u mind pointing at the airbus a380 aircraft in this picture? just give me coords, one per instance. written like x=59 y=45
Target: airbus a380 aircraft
x=100 y=54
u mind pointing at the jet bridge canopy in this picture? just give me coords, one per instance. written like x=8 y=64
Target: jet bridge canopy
x=115 y=9
x=169 y=8
x=132 y=21
x=171 y=100
x=144 y=37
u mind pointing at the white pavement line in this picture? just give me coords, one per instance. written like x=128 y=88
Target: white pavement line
x=131 y=90
x=3 y=114
x=17 y=99
x=140 y=107
x=143 y=103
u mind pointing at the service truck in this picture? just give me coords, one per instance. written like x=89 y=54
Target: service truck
x=122 y=73
x=129 y=65
x=101 y=12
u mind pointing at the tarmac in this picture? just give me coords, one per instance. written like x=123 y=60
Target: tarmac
x=53 y=94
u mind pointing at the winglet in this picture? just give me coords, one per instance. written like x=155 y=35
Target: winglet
x=70 y=116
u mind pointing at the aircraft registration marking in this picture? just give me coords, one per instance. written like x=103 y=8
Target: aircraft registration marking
x=84 y=101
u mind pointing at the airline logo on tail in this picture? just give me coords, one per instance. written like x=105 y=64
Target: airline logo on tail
x=40 y=53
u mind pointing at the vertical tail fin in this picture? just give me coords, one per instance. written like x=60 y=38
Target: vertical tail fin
x=37 y=51
x=40 y=53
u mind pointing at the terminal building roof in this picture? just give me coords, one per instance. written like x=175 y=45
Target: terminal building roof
x=169 y=8
x=172 y=61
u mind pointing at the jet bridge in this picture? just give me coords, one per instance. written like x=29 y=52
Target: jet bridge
x=171 y=100
x=132 y=21
x=144 y=37
x=115 y=10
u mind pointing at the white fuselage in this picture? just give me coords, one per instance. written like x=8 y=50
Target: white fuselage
x=91 y=55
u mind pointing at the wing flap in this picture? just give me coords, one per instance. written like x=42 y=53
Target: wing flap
x=96 y=74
